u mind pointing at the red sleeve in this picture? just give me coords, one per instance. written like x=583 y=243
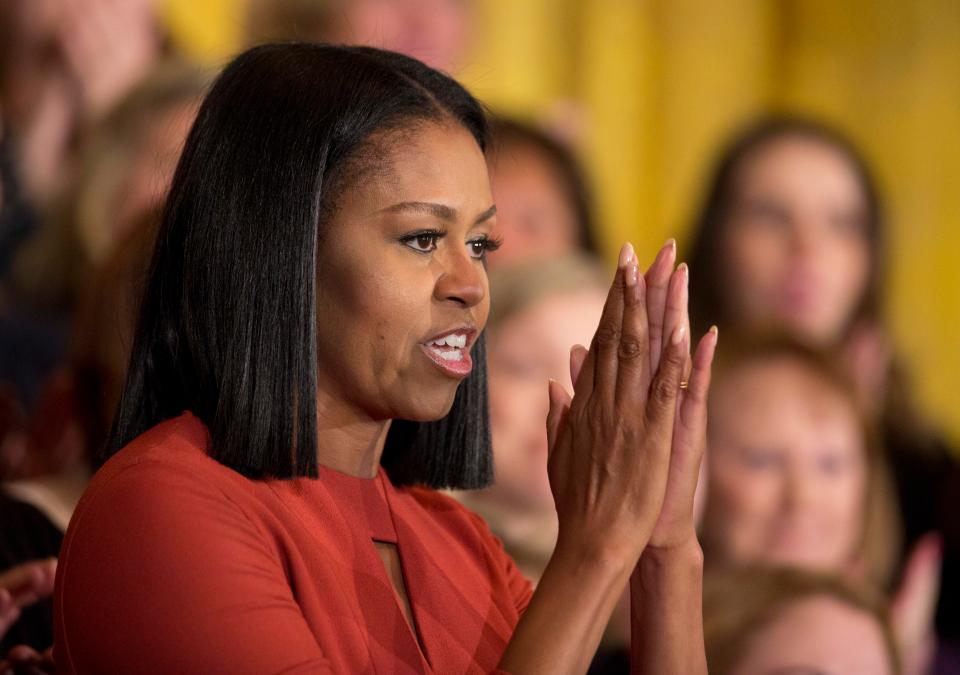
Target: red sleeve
x=162 y=572
x=519 y=587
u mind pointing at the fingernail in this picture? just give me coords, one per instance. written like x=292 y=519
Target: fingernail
x=671 y=244
x=685 y=271
x=714 y=329
x=633 y=273
x=678 y=334
x=626 y=254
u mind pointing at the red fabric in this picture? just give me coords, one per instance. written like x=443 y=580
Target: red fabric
x=174 y=563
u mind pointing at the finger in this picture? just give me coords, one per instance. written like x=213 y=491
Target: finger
x=559 y=404
x=914 y=604
x=657 y=280
x=578 y=354
x=633 y=360
x=692 y=420
x=675 y=308
x=601 y=362
x=661 y=405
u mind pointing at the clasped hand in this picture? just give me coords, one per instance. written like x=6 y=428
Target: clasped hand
x=625 y=449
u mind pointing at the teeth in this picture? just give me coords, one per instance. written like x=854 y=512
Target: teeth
x=455 y=340
x=452 y=355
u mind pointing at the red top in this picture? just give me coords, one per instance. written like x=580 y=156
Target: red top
x=174 y=563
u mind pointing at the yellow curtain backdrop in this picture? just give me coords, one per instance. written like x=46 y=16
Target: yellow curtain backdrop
x=659 y=84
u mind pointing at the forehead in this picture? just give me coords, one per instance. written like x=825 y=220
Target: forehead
x=806 y=166
x=816 y=633
x=780 y=396
x=431 y=161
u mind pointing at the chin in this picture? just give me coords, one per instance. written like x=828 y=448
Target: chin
x=428 y=408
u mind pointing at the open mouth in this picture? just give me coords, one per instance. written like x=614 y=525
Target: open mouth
x=450 y=351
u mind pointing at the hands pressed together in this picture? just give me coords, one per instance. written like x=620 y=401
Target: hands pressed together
x=625 y=449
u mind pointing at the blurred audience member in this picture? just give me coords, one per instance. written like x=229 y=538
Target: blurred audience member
x=437 y=32
x=795 y=477
x=63 y=65
x=539 y=310
x=791 y=238
x=127 y=163
x=765 y=621
x=66 y=433
x=793 y=473
x=543 y=201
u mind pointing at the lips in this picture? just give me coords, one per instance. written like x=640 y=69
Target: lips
x=450 y=351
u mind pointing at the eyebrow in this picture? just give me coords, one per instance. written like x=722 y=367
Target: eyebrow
x=440 y=211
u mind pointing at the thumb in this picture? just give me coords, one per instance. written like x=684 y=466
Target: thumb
x=578 y=354
x=915 y=601
x=559 y=404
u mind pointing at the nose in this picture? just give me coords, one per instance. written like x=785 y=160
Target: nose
x=462 y=281
x=798 y=490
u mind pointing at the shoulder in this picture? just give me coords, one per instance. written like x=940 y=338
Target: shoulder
x=160 y=493
x=171 y=455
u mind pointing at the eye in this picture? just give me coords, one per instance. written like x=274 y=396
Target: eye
x=422 y=242
x=480 y=246
x=761 y=460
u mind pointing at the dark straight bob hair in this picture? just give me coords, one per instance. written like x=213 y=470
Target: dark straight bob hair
x=228 y=321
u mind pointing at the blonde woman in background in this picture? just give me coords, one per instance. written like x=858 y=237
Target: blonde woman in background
x=795 y=477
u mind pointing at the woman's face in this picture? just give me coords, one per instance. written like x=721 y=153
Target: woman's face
x=536 y=217
x=437 y=32
x=786 y=468
x=814 y=637
x=523 y=353
x=796 y=245
x=401 y=284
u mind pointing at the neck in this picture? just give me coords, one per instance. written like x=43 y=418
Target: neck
x=348 y=440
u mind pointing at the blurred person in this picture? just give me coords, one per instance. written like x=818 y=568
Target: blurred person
x=437 y=32
x=539 y=310
x=544 y=203
x=127 y=163
x=793 y=472
x=794 y=477
x=63 y=65
x=761 y=621
x=67 y=432
x=791 y=238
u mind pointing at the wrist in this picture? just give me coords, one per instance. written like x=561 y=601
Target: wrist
x=683 y=558
x=602 y=560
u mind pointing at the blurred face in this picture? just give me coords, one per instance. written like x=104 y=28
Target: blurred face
x=522 y=354
x=437 y=32
x=797 y=241
x=814 y=637
x=535 y=215
x=786 y=466
x=401 y=288
x=151 y=172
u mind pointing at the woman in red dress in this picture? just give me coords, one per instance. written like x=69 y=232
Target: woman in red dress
x=309 y=366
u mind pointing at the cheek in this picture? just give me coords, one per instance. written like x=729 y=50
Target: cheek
x=745 y=499
x=755 y=258
x=847 y=270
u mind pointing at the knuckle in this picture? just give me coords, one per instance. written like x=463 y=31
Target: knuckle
x=663 y=391
x=630 y=347
x=608 y=333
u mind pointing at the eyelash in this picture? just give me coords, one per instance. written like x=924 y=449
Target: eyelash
x=487 y=244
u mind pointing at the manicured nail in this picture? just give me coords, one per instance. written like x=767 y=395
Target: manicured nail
x=714 y=329
x=633 y=273
x=678 y=334
x=626 y=254
x=685 y=271
x=671 y=244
